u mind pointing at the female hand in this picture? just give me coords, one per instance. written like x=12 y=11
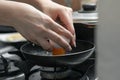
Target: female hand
x=57 y=12
x=36 y=26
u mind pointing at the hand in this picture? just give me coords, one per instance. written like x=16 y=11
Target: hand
x=57 y=12
x=61 y=14
x=38 y=27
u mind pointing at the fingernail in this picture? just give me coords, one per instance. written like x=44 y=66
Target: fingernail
x=74 y=43
x=69 y=48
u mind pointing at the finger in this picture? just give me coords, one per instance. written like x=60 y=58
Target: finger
x=66 y=19
x=73 y=41
x=59 y=40
x=61 y=30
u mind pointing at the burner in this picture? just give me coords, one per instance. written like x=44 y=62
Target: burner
x=65 y=73
x=8 y=71
x=3 y=65
x=84 y=71
x=72 y=75
x=54 y=73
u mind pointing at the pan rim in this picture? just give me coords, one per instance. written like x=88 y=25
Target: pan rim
x=75 y=53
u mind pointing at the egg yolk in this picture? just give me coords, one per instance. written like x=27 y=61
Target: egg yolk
x=58 y=51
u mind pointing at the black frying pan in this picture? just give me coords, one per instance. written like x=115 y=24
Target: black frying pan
x=38 y=56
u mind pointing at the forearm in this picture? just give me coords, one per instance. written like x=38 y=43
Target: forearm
x=36 y=3
x=26 y=1
x=8 y=11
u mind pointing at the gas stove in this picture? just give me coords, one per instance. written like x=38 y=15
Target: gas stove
x=64 y=73
x=13 y=66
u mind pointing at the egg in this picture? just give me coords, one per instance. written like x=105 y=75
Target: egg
x=58 y=50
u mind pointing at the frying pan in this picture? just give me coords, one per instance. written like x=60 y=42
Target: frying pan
x=39 y=56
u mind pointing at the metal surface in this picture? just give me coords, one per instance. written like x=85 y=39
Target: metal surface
x=8 y=71
x=76 y=73
x=55 y=74
x=15 y=77
x=85 y=17
x=36 y=75
x=79 y=54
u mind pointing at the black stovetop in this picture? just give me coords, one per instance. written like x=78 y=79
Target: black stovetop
x=84 y=71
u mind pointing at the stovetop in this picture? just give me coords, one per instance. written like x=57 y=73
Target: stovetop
x=77 y=73
x=17 y=68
